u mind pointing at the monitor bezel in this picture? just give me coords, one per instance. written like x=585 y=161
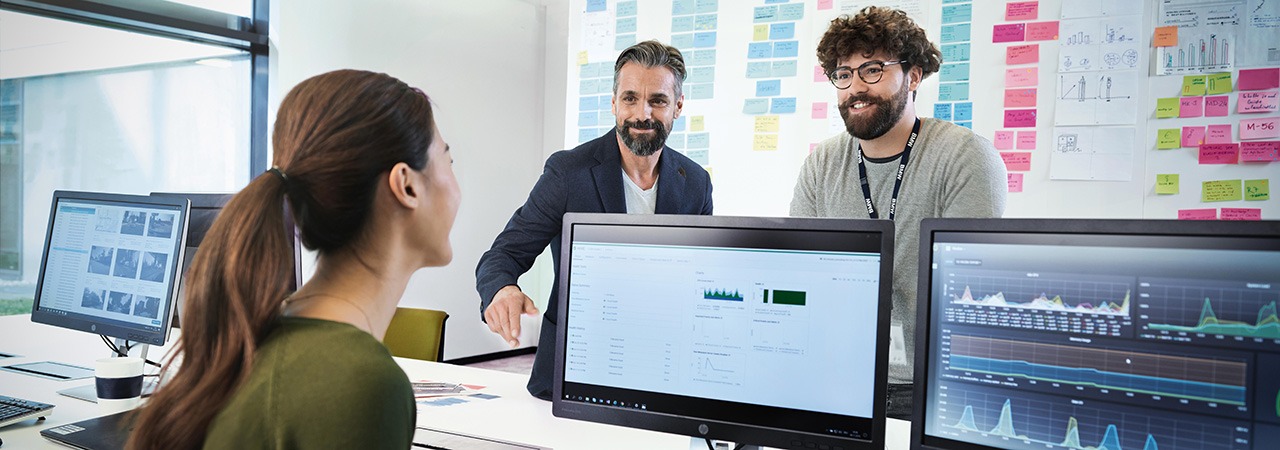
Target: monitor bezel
x=699 y=427
x=1096 y=227
x=110 y=328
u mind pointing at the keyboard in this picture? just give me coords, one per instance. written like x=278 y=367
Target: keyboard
x=14 y=410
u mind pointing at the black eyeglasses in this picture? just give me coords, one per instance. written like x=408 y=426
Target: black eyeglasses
x=870 y=72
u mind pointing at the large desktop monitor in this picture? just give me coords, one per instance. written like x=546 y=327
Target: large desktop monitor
x=760 y=331
x=110 y=264
x=1098 y=334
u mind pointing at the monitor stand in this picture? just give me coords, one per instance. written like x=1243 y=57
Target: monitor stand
x=697 y=443
x=89 y=392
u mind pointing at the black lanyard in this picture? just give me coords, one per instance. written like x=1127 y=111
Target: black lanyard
x=902 y=169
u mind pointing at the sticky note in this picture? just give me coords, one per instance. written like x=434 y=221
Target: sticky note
x=1003 y=140
x=1026 y=140
x=622 y=41
x=1192 y=85
x=1218 y=134
x=1167 y=107
x=1019 y=118
x=760 y=33
x=1191 y=107
x=765 y=142
x=1021 y=11
x=596 y=5
x=1165 y=36
x=1219 y=153
x=676 y=141
x=1026 y=76
x=705 y=22
x=768 y=88
x=701 y=75
x=1014 y=32
x=1019 y=98
x=942 y=111
x=1022 y=54
x=588 y=119
x=1015 y=182
x=697 y=123
x=626 y=25
x=1260 y=151
x=791 y=12
x=1192 y=136
x=682 y=41
x=825 y=4
x=1217 y=83
x=786 y=49
x=766 y=124
x=958 y=32
x=757 y=50
x=957 y=13
x=819 y=76
x=699 y=140
x=1016 y=161
x=1042 y=31
x=954 y=72
x=784 y=69
x=1255 y=190
x=1259 y=79
x=682 y=24
x=765 y=14
x=1169 y=138
x=702 y=91
x=963 y=112
x=782 y=105
x=680 y=124
x=1198 y=214
x=1167 y=183
x=1216 y=106
x=627 y=8
x=782 y=30
x=703 y=40
x=955 y=52
x=681 y=7
x=582 y=57
x=755 y=106
x=759 y=69
x=1220 y=191
x=1241 y=214
x=953 y=92
x=819 y=110
x=707 y=6
x=1266 y=127
x=1257 y=102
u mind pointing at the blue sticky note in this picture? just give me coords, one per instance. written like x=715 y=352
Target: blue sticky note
x=623 y=41
x=705 y=39
x=703 y=58
x=595 y=5
x=606 y=118
x=675 y=141
x=954 y=72
x=702 y=91
x=586 y=134
x=759 y=69
x=957 y=13
x=786 y=49
x=588 y=71
x=757 y=50
x=955 y=33
x=783 y=105
x=955 y=53
x=626 y=25
x=964 y=111
x=766 y=14
x=705 y=22
x=968 y=125
x=587 y=87
x=604 y=85
x=948 y=2
x=627 y=8
x=782 y=31
x=681 y=24
x=682 y=41
x=942 y=111
x=698 y=140
x=679 y=124
x=588 y=119
x=771 y=2
x=784 y=69
x=682 y=7
x=791 y=12
x=604 y=69
x=953 y=92
x=702 y=157
x=605 y=102
x=588 y=104
x=701 y=75
x=755 y=106
x=768 y=88
x=708 y=6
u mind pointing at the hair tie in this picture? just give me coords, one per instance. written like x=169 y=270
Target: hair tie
x=280 y=173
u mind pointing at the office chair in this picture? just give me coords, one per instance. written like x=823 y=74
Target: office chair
x=416 y=333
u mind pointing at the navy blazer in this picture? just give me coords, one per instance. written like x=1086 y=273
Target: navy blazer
x=585 y=179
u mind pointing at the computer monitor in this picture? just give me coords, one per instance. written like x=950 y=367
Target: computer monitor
x=760 y=331
x=1097 y=334
x=110 y=264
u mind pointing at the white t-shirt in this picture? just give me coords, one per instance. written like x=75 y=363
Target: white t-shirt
x=640 y=201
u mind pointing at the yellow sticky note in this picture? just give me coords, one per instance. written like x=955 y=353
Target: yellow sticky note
x=769 y=142
x=1257 y=190
x=766 y=124
x=1218 y=83
x=696 y=123
x=1167 y=183
x=1167 y=139
x=1167 y=107
x=582 y=57
x=1220 y=191
x=1192 y=85
x=761 y=33
x=711 y=176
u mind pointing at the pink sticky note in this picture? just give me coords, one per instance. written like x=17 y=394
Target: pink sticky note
x=1241 y=213
x=1042 y=31
x=1013 y=32
x=1266 y=127
x=1016 y=161
x=1021 y=11
x=1260 y=151
x=1015 y=182
x=819 y=76
x=1019 y=118
x=1025 y=76
x=1020 y=98
x=1192 y=136
x=1219 y=153
x=1004 y=140
x=1191 y=107
x=1022 y=54
x=1216 y=106
x=812 y=147
x=1218 y=134
x=1026 y=140
x=1259 y=79
x=1258 y=102
x=1198 y=214
x=820 y=110
x=824 y=4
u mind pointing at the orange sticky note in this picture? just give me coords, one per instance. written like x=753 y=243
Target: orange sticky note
x=1165 y=37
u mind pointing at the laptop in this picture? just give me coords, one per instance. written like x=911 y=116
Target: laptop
x=102 y=433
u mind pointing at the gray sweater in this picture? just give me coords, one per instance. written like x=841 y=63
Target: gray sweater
x=952 y=172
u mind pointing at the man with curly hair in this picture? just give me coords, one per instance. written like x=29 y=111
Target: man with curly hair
x=891 y=164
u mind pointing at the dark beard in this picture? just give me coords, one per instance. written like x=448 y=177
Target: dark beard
x=888 y=112
x=642 y=146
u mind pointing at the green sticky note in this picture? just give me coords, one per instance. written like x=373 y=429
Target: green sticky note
x=1167 y=183
x=1192 y=85
x=1257 y=190
x=1167 y=107
x=1220 y=191
x=1218 y=83
x=1167 y=139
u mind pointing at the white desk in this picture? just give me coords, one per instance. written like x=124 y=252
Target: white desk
x=514 y=416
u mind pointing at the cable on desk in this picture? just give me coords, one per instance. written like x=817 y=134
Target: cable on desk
x=125 y=353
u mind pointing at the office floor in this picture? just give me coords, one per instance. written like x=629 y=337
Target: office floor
x=521 y=364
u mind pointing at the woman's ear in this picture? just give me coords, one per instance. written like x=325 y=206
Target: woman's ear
x=406 y=185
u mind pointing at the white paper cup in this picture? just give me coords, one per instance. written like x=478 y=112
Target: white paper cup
x=119 y=383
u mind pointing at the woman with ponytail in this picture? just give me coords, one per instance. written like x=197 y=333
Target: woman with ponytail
x=364 y=172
